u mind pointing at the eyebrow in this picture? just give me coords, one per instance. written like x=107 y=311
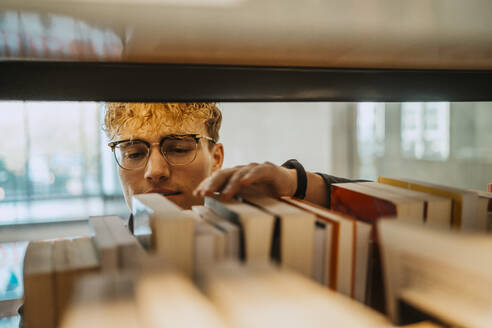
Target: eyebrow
x=163 y=137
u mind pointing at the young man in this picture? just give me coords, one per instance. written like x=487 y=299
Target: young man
x=173 y=149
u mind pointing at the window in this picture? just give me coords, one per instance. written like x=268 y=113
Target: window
x=50 y=161
x=370 y=136
x=425 y=130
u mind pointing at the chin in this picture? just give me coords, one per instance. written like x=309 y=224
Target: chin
x=185 y=202
x=181 y=201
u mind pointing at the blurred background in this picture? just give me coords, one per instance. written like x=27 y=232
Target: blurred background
x=55 y=164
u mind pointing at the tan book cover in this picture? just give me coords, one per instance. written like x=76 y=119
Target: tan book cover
x=173 y=231
x=105 y=300
x=167 y=299
x=464 y=213
x=105 y=244
x=437 y=209
x=445 y=274
x=250 y=296
x=297 y=233
x=229 y=230
x=255 y=225
x=39 y=286
x=342 y=266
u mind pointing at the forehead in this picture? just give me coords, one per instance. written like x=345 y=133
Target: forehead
x=156 y=133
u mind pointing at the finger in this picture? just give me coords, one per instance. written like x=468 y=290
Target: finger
x=234 y=184
x=278 y=179
x=214 y=183
x=260 y=173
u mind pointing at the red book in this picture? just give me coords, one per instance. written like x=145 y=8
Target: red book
x=368 y=204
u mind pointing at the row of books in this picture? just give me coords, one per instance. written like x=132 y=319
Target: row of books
x=435 y=274
x=326 y=246
x=52 y=268
x=228 y=295
x=109 y=280
x=339 y=249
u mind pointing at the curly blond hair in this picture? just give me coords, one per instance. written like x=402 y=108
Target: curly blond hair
x=134 y=116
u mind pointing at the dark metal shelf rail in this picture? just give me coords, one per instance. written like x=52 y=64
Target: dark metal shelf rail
x=96 y=81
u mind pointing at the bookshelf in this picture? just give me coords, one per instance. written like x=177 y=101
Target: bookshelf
x=232 y=50
x=463 y=74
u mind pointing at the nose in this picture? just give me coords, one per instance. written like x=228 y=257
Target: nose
x=157 y=168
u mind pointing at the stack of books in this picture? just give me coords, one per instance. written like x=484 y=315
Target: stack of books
x=256 y=260
x=328 y=247
x=50 y=272
x=229 y=295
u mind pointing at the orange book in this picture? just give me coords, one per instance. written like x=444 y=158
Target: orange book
x=362 y=206
x=368 y=204
x=350 y=252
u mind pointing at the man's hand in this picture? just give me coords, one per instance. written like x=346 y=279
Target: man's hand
x=267 y=178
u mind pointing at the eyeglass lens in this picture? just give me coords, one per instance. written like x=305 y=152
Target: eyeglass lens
x=177 y=151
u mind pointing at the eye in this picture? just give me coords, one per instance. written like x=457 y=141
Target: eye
x=134 y=155
x=179 y=150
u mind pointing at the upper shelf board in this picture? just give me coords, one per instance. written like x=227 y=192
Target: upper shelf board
x=402 y=34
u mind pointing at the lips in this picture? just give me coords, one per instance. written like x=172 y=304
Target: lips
x=164 y=192
x=170 y=193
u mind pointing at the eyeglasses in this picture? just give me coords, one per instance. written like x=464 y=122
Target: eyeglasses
x=177 y=149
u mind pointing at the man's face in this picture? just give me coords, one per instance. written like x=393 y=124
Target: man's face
x=161 y=177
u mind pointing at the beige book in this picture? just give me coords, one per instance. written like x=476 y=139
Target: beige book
x=83 y=257
x=444 y=274
x=464 y=213
x=297 y=233
x=72 y=259
x=341 y=269
x=363 y=234
x=129 y=250
x=323 y=243
x=64 y=276
x=255 y=226
x=347 y=252
x=105 y=244
x=39 y=286
x=228 y=229
x=167 y=299
x=209 y=243
x=218 y=236
x=484 y=209
x=268 y=297
x=173 y=231
x=102 y=301
x=437 y=209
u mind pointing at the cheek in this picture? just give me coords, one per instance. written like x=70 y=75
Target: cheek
x=198 y=171
x=129 y=181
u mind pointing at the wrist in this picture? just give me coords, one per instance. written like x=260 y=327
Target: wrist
x=292 y=173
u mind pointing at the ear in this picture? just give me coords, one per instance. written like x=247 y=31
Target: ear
x=217 y=157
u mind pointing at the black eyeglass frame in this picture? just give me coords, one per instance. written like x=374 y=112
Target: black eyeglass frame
x=195 y=136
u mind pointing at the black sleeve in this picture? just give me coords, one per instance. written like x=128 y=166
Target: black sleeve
x=20 y=310
x=329 y=179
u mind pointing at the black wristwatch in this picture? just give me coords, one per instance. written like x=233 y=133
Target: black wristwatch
x=301 y=177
